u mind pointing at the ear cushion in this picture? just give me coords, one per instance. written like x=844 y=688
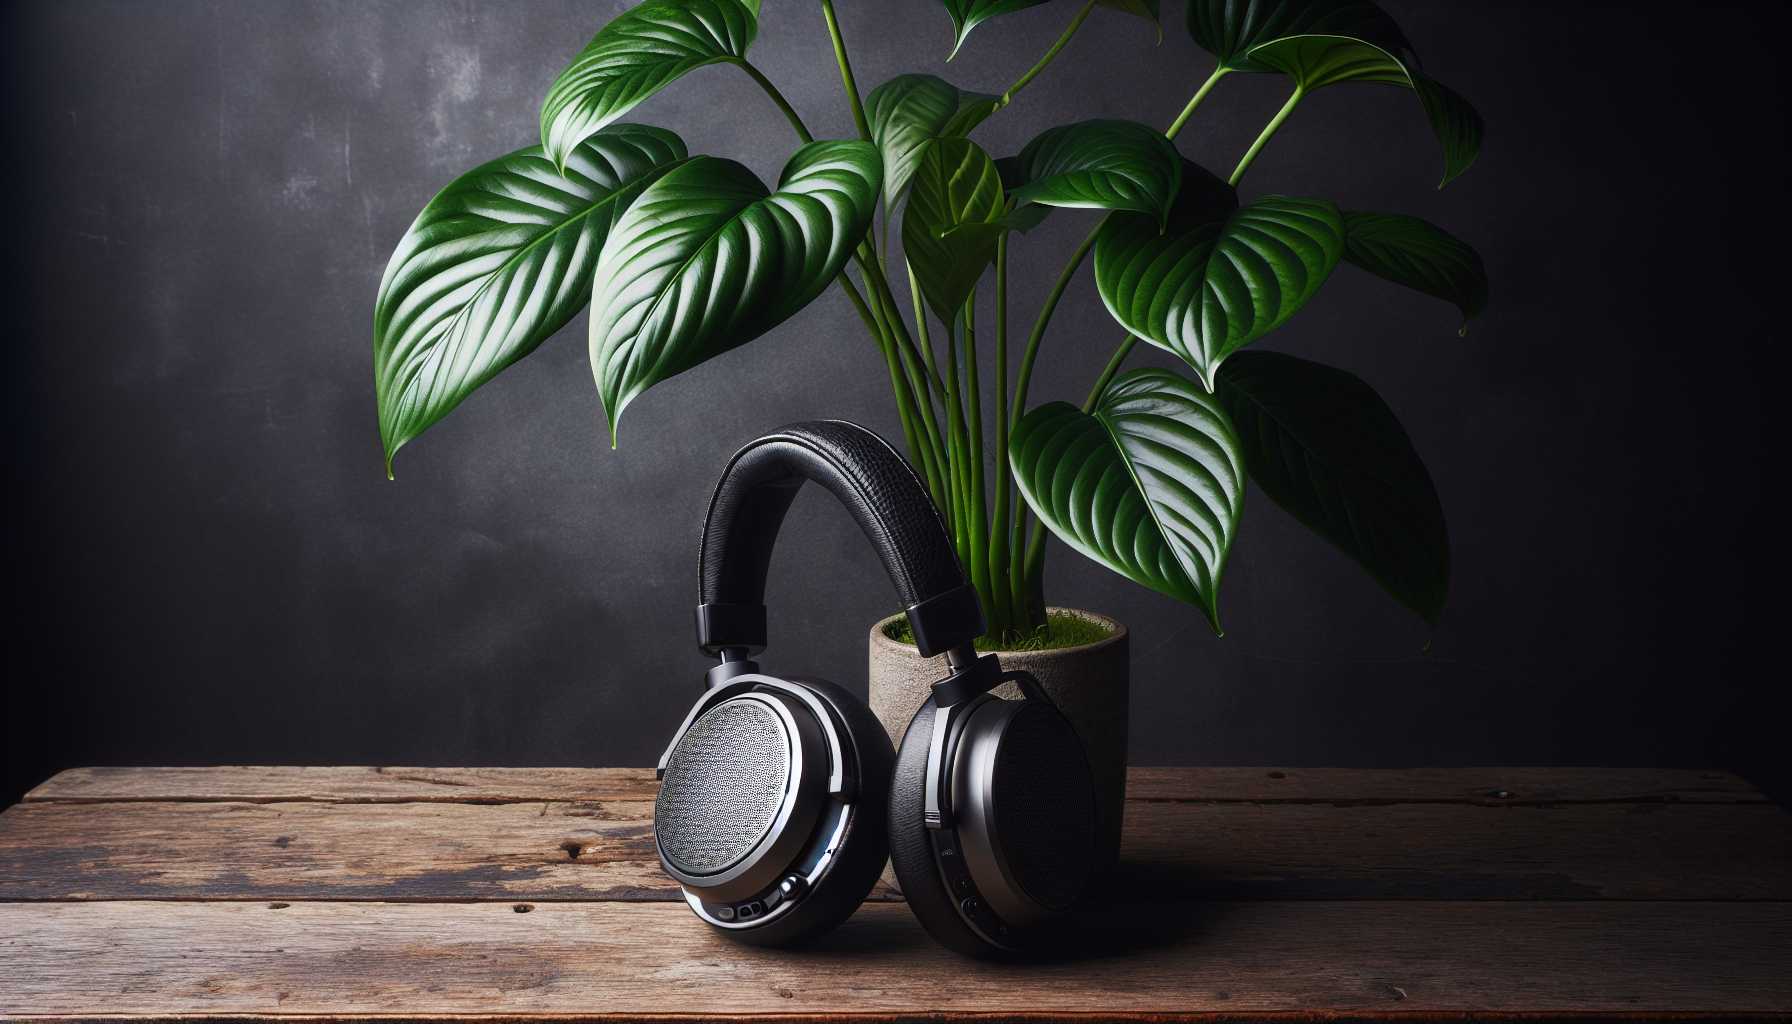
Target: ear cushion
x=864 y=845
x=911 y=851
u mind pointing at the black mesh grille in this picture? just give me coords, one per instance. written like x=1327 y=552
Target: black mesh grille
x=723 y=786
x=1044 y=806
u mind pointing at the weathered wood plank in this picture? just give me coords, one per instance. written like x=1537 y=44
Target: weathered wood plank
x=604 y=851
x=1491 y=786
x=618 y=960
x=261 y=784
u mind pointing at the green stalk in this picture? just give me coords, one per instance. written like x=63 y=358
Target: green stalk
x=765 y=84
x=1025 y=377
x=914 y=294
x=932 y=423
x=1107 y=374
x=917 y=384
x=1000 y=549
x=1051 y=54
x=920 y=444
x=978 y=496
x=846 y=78
x=909 y=386
x=957 y=447
x=1194 y=102
x=1268 y=133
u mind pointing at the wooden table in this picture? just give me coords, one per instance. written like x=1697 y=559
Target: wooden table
x=1246 y=893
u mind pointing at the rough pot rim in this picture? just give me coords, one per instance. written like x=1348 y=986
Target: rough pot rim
x=1117 y=633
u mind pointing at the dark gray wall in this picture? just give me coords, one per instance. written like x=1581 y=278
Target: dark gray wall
x=209 y=566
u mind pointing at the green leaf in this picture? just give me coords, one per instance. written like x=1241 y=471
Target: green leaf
x=1147 y=9
x=1151 y=485
x=968 y=14
x=1425 y=258
x=1323 y=445
x=1217 y=279
x=1100 y=165
x=953 y=221
x=1231 y=29
x=1325 y=42
x=707 y=260
x=1456 y=123
x=495 y=264
x=640 y=52
x=908 y=112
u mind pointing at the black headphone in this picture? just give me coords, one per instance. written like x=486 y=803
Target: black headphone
x=780 y=798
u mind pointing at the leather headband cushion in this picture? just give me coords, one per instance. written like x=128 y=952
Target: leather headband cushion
x=873 y=482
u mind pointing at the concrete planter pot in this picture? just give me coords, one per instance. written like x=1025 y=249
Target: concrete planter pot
x=1088 y=683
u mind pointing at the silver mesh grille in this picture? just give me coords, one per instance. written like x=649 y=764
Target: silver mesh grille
x=723 y=787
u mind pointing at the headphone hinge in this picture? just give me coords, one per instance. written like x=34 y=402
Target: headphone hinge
x=734 y=664
x=968 y=679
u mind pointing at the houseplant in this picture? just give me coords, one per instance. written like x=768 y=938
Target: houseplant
x=683 y=258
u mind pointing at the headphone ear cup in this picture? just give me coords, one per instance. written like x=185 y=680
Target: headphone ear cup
x=911 y=849
x=864 y=845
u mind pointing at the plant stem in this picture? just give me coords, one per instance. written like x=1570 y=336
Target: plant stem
x=926 y=343
x=1025 y=377
x=1001 y=588
x=1268 y=133
x=978 y=497
x=1063 y=41
x=914 y=385
x=957 y=446
x=1194 y=102
x=1107 y=373
x=846 y=78
x=919 y=444
x=790 y=114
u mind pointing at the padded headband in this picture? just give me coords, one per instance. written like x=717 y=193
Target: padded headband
x=885 y=498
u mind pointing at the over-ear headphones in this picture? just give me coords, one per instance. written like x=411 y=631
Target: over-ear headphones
x=780 y=798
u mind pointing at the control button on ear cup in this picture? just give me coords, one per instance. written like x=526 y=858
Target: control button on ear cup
x=827 y=879
x=1024 y=804
x=742 y=792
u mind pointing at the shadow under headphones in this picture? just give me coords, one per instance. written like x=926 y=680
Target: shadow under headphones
x=780 y=796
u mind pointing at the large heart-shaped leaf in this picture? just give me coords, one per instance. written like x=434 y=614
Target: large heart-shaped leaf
x=1216 y=281
x=1323 y=445
x=1419 y=255
x=707 y=260
x=953 y=221
x=908 y=112
x=1325 y=42
x=1101 y=165
x=1231 y=29
x=637 y=54
x=968 y=14
x=1150 y=485
x=494 y=265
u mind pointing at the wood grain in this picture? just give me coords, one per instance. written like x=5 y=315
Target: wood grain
x=261 y=784
x=1245 y=894
x=619 y=960
x=1489 y=786
x=603 y=850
